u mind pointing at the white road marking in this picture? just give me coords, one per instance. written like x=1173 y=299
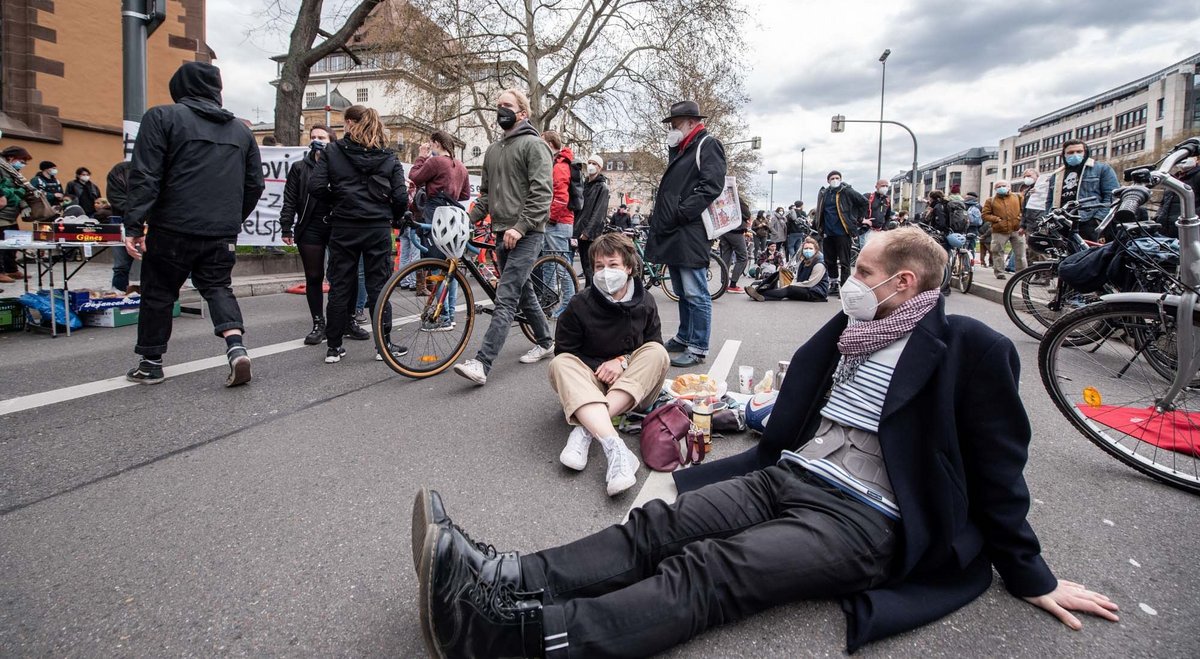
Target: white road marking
x=34 y=401
x=660 y=485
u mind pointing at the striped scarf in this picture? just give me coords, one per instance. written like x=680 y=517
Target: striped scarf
x=862 y=339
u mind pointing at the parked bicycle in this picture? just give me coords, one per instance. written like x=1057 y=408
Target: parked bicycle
x=1133 y=391
x=657 y=274
x=960 y=271
x=435 y=325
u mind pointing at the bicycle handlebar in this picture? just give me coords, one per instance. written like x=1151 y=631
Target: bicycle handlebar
x=1131 y=199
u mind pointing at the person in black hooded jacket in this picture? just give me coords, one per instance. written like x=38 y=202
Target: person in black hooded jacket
x=304 y=222
x=196 y=176
x=364 y=185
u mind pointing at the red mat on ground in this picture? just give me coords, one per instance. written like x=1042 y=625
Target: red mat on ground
x=302 y=288
x=1173 y=431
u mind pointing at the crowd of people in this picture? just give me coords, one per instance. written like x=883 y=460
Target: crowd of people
x=855 y=491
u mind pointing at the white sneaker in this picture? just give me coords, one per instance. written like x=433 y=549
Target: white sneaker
x=537 y=354
x=575 y=453
x=472 y=369
x=622 y=466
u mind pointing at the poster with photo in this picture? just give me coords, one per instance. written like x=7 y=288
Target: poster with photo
x=724 y=214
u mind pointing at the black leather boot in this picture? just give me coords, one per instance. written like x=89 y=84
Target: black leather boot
x=428 y=510
x=317 y=334
x=468 y=611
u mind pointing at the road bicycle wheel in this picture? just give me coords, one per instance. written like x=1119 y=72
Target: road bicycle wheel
x=1032 y=302
x=716 y=277
x=434 y=327
x=966 y=272
x=1108 y=390
x=554 y=282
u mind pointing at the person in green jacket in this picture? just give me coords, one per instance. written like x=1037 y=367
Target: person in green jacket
x=515 y=188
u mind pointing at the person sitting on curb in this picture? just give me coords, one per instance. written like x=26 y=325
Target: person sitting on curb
x=803 y=278
x=880 y=481
x=609 y=358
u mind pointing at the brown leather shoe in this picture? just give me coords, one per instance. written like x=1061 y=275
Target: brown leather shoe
x=15 y=275
x=5 y=279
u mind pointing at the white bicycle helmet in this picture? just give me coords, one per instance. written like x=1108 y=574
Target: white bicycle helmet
x=451 y=228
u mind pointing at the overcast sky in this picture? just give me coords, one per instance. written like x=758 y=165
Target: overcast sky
x=961 y=74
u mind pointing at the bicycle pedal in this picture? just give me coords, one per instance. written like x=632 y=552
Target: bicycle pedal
x=479 y=308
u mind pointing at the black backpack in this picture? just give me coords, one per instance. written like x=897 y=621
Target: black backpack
x=575 y=187
x=957 y=216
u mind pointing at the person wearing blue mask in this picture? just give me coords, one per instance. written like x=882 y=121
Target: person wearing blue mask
x=1082 y=179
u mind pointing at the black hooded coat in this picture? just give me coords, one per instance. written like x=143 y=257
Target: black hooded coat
x=196 y=168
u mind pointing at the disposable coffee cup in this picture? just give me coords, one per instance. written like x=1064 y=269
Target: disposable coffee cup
x=746 y=379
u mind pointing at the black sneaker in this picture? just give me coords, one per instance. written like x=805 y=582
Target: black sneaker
x=146 y=372
x=356 y=332
x=334 y=355
x=397 y=351
x=361 y=317
x=317 y=335
x=239 y=366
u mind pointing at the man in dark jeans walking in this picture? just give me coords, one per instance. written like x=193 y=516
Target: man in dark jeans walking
x=196 y=176
x=840 y=211
x=515 y=188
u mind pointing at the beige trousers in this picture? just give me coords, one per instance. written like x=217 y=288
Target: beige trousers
x=577 y=385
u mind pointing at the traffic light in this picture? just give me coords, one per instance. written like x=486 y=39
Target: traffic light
x=839 y=123
x=156 y=13
x=756 y=143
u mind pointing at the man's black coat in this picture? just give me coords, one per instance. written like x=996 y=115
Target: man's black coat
x=677 y=234
x=955 y=438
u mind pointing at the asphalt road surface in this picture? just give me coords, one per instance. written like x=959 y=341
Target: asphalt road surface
x=190 y=520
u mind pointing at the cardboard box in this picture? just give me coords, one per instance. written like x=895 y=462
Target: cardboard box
x=12 y=315
x=117 y=316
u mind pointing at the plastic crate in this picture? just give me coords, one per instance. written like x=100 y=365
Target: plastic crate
x=12 y=315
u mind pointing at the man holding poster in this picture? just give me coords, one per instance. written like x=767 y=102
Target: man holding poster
x=678 y=238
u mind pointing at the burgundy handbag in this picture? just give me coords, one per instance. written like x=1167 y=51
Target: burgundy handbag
x=665 y=442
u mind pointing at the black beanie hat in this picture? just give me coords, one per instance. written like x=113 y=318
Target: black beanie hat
x=832 y=174
x=46 y=164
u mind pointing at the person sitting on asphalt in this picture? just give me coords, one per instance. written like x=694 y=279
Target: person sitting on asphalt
x=609 y=358
x=882 y=480
x=803 y=278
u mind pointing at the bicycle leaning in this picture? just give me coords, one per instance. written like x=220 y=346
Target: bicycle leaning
x=656 y=274
x=1132 y=390
x=435 y=324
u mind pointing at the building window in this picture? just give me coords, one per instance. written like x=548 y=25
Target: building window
x=1055 y=141
x=1129 y=144
x=1098 y=151
x=1049 y=164
x=1005 y=157
x=310 y=98
x=1161 y=107
x=955 y=179
x=1027 y=149
x=360 y=94
x=476 y=151
x=991 y=171
x=1093 y=131
x=1131 y=119
x=337 y=62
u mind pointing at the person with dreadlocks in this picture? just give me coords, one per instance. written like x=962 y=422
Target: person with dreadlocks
x=878 y=482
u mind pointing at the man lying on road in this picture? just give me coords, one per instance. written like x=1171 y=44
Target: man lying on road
x=880 y=481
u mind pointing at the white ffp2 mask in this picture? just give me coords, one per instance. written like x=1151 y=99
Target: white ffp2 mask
x=858 y=299
x=610 y=280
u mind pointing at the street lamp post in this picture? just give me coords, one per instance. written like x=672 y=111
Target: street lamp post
x=802 y=172
x=838 y=125
x=771 y=197
x=882 y=87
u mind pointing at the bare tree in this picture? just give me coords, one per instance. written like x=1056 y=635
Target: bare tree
x=303 y=53
x=572 y=54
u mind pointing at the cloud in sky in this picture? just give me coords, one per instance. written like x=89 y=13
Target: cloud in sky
x=961 y=74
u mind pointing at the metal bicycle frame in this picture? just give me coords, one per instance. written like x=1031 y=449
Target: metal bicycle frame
x=1183 y=306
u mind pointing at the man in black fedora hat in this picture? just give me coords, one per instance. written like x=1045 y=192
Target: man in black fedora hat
x=694 y=178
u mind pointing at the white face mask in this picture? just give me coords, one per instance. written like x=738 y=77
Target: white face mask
x=835 y=182
x=592 y=169
x=858 y=299
x=85 y=178
x=882 y=189
x=1028 y=180
x=674 y=137
x=610 y=280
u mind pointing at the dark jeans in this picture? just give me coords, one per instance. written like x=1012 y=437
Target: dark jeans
x=837 y=256
x=170 y=258
x=348 y=245
x=794 y=240
x=760 y=245
x=513 y=291
x=733 y=252
x=585 y=261
x=123 y=268
x=771 y=290
x=719 y=554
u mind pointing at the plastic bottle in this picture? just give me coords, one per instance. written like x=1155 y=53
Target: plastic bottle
x=766 y=384
x=702 y=419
